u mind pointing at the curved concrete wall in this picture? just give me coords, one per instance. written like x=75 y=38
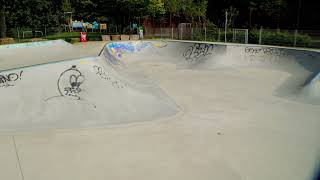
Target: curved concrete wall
x=83 y=92
x=28 y=54
x=303 y=65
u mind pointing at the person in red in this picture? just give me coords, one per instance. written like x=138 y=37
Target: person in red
x=83 y=36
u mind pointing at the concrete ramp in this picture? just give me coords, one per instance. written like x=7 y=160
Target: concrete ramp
x=85 y=92
x=27 y=54
x=303 y=65
x=77 y=91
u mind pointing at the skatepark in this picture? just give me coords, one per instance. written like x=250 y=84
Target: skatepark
x=158 y=110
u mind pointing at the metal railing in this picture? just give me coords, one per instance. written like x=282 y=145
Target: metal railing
x=281 y=37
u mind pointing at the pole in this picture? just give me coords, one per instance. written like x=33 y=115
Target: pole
x=191 y=33
x=250 y=17
x=260 y=35
x=247 y=36
x=234 y=35
x=225 y=27
x=298 y=14
x=18 y=33
x=171 y=32
x=205 y=33
x=295 y=38
x=181 y=29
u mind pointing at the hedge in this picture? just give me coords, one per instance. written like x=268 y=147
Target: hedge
x=72 y=36
x=279 y=38
x=268 y=37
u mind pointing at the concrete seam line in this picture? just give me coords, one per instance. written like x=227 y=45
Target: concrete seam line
x=18 y=158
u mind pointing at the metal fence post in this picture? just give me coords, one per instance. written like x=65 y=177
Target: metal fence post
x=234 y=35
x=260 y=35
x=219 y=34
x=295 y=38
x=171 y=32
x=181 y=33
x=225 y=27
x=247 y=36
x=191 y=33
x=205 y=33
x=18 y=34
x=161 y=32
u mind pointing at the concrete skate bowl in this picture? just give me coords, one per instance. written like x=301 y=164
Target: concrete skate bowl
x=52 y=85
x=302 y=66
x=79 y=92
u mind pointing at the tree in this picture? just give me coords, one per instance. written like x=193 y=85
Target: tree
x=155 y=8
x=252 y=7
x=201 y=9
x=191 y=10
x=84 y=9
x=188 y=10
x=132 y=8
x=67 y=12
x=232 y=14
x=172 y=7
x=6 y=7
x=66 y=6
x=269 y=8
x=3 y=27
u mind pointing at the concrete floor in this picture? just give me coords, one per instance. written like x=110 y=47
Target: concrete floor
x=231 y=126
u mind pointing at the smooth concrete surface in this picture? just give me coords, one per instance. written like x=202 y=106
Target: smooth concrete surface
x=28 y=54
x=9 y=163
x=241 y=116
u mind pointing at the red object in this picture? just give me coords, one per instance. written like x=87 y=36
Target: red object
x=83 y=37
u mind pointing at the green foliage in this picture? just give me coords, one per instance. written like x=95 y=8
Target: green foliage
x=201 y=9
x=3 y=27
x=172 y=6
x=155 y=8
x=192 y=10
x=84 y=8
x=232 y=15
x=210 y=33
x=72 y=36
x=66 y=6
x=269 y=8
x=279 y=38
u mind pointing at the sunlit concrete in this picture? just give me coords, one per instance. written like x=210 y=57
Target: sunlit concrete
x=236 y=119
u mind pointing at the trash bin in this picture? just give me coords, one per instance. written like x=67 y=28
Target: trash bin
x=83 y=36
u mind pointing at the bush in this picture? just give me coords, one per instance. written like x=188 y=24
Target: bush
x=279 y=38
x=72 y=36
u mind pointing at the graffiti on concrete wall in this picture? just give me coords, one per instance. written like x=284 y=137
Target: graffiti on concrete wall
x=197 y=52
x=69 y=84
x=105 y=76
x=119 y=49
x=265 y=51
x=31 y=44
x=265 y=55
x=9 y=80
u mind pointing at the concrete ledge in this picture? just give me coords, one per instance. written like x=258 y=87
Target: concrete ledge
x=6 y=41
x=134 y=37
x=106 y=38
x=115 y=37
x=125 y=37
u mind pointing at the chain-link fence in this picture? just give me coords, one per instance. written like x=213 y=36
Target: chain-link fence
x=280 y=37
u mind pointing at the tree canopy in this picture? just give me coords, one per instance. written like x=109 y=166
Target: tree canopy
x=245 y=13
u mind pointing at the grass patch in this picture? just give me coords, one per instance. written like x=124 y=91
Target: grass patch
x=72 y=36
